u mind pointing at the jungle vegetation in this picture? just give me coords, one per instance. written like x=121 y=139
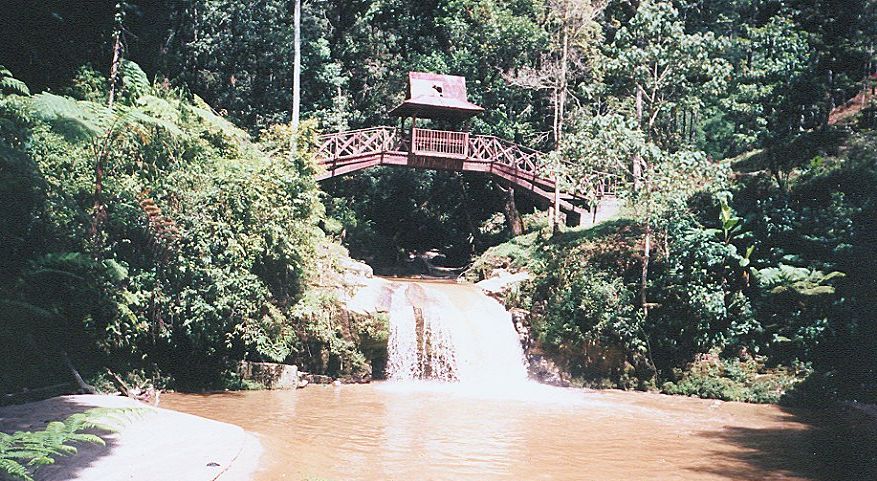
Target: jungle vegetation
x=171 y=233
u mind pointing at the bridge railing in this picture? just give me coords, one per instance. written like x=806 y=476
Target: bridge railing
x=596 y=185
x=442 y=143
x=527 y=164
x=354 y=143
x=487 y=148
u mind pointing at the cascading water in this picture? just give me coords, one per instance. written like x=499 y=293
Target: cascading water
x=452 y=332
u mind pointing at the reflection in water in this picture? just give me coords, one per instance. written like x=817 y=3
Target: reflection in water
x=493 y=424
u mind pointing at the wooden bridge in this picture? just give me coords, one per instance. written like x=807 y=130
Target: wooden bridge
x=345 y=152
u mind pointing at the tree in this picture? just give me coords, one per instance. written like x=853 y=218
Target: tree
x=574 y=35
x=661 y=67
x=664 y=70
x=100 y=213
x=241 y=59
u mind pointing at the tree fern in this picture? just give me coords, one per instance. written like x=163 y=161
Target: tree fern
x=12 y=467
x=135 y=83
x=22 y=452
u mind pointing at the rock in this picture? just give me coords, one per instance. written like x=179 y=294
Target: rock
x=372 y=296
x=303 y=383
x=546 y=371
x=336 y=383
x=269 y=374
x=502 y=280
x=316 y=378
x=355 y=273
x=357 y=379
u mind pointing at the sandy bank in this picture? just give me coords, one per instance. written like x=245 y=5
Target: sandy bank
x=156 y=446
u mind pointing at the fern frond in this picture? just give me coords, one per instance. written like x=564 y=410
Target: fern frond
x=74 y=119
x=134 y=79
x=21 y=452
x=10 y=84
x=41 y=461
x=14 y=469
x=88 y=438
x=13 y=85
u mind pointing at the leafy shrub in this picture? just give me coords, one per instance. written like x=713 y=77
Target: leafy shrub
x=711 y=377
x=222 y=286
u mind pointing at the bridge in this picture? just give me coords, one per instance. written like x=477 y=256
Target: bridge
x=444 y=97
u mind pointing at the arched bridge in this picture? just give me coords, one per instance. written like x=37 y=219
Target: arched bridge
x=345 y=152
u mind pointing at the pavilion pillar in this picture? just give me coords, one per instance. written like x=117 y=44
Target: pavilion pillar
x=413 y=126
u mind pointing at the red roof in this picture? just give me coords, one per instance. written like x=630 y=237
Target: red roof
x=433 y=95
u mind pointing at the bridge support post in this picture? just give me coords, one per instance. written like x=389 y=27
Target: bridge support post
x=573 y=219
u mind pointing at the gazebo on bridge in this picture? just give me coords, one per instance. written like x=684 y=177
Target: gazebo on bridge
x=444 y=97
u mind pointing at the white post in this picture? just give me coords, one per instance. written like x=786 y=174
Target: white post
x=296 y=80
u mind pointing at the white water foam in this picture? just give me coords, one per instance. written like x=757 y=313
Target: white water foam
x=465 y=336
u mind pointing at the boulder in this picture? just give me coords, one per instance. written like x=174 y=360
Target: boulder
x=501 y=280
x=269 y=374
x=316 y=378
x=355 y=273
x=546 y=371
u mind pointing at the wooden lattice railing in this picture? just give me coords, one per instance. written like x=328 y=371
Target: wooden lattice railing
x=526 y=166
x=487 y=148
x=353 y=143
x=596 y=185
x=442 y=143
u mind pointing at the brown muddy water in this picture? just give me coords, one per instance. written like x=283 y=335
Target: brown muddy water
x=425 y=431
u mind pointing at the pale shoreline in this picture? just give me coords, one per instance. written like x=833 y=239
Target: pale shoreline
x=158 y=445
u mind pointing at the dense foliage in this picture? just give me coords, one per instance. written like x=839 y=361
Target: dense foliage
x=754 y=289
x=203 y=257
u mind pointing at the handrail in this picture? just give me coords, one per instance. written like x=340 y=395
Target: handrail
x=442 y=142
x=354 y=131
x=524 y=163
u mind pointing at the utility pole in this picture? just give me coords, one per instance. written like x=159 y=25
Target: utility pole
x=296 y=80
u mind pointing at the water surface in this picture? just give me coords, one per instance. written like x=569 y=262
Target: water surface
x=425 y=431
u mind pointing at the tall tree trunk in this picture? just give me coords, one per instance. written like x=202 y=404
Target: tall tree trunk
x=510 y=211
x=555 y=130
x=296 y=79
x=641 y=182
x=636 y=168
x=99 y=212
x=556 y=209
x=564 y=69
x=117 y=57
x=647 y=254
x=559 y=112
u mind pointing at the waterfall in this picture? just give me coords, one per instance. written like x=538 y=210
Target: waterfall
x=454 y=333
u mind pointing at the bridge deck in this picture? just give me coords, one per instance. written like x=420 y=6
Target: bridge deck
x=345 y=152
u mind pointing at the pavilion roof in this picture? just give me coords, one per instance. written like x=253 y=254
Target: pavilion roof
x=436 y=96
